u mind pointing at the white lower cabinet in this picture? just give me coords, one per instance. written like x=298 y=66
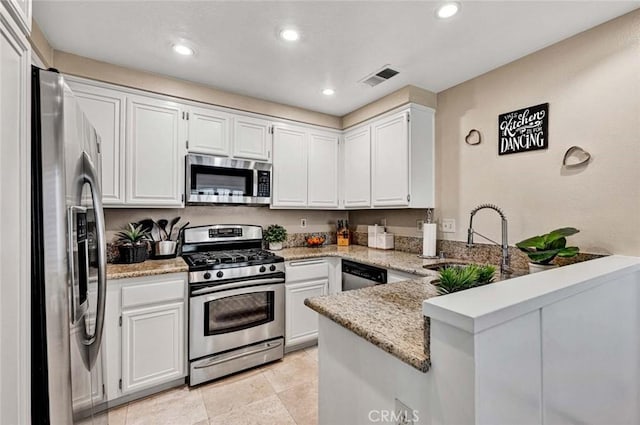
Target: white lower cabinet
x=152 y=346
x=301 y=321
x=305 y=279
x=145 y=333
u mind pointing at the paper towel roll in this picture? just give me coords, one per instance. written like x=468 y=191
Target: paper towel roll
x=429 y=239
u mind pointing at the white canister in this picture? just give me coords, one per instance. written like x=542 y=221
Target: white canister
x=385 y=241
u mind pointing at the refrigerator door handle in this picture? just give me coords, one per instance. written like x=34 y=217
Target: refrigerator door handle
x=91 y=177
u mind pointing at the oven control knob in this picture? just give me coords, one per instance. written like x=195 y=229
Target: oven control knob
x=219 y=274
x=272 y=268
x=263 y=269
x=207 y=275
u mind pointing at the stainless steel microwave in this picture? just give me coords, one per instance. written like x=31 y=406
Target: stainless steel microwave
x=217 y=180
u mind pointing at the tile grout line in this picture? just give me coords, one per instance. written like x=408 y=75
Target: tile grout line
x=287 y=408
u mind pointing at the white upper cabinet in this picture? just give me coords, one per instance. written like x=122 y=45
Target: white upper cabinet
x=390 y=161
x=402 y=159
x=20 y=10
x=155 y=157
x=251 y=138
x=356 y=181
x=290 y=151
x=105 y=109
x=209 y=131
x=323 y=169
x=305 y=167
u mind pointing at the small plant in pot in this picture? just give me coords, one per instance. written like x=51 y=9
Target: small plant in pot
x=542 y=249
x=132 y=244
x=458 y=278
x=275 y=235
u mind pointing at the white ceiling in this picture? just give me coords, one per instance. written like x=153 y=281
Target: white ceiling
x=238 y=49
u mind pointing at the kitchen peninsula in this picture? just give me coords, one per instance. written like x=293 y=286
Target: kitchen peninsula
x=498 y=354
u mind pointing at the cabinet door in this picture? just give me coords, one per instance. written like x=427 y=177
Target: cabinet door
x=289 y=167
x=152 y=346
x=323 y=170
x=302 y=322
x=390 y=161
x=208 y=131
x=357 y=168
x=15 y=212
x=105 y=110
x=251 y=138
x=154 y=152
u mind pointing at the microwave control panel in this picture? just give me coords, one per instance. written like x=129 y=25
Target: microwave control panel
x=264 y=184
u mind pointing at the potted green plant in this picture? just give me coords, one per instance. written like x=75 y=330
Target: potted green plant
x=458 y=278
x=275 y=235
x=542 y=249
x=132 y=244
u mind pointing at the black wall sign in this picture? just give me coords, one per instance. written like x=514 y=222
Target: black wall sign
x=523 y=130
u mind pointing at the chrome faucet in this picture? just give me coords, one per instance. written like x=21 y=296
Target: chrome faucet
x=506 y=260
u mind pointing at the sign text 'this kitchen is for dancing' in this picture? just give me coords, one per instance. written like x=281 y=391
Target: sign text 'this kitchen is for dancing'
x=523 y=130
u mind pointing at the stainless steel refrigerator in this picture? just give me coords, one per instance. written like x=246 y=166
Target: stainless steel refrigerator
x=69 y=259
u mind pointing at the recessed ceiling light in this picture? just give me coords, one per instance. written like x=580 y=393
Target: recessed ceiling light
x=289 y=34
x=328 y=92
x=181 y=49
x=447 y=10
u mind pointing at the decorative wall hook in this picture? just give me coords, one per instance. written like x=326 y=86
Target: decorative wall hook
x=583 y=156
x=473 y=138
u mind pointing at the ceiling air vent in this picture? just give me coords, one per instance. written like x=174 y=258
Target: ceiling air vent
x=379 y=76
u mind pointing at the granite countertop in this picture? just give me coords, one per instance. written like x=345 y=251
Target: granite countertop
x=389 y=316
x=147 y=268
x=390 y=259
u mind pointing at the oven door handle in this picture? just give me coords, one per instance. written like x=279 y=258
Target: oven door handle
x=222 y=359
x=240 y=284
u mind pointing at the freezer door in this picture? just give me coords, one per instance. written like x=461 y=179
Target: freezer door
x=87 y=265
x=69 y=266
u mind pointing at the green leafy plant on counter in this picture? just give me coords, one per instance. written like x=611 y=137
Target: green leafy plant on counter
x=544 y=248
x=275 y=233
x=133 y=235
x=458 y=278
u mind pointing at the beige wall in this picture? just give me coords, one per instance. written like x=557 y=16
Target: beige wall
x=41 y=45
x=592 y=84
x=80 y=66
x=400 y=222
x=317 y=221
x=407 y=94
x=101 y=71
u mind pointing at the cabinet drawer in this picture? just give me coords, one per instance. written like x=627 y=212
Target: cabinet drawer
x=310 y=269
x=152 y=293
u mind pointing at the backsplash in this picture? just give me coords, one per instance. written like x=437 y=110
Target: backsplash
x=317 y=221
x=480 y=253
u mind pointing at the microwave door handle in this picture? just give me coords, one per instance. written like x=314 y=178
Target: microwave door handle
x=93 y=342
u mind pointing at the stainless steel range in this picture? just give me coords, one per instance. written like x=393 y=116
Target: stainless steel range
x=236 y=300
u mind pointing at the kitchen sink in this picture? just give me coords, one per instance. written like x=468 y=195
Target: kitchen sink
x=441 y=266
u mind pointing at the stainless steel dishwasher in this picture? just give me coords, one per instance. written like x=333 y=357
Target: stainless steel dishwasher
x=358 y=275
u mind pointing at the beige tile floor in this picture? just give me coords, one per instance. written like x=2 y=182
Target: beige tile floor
x=281 y=393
